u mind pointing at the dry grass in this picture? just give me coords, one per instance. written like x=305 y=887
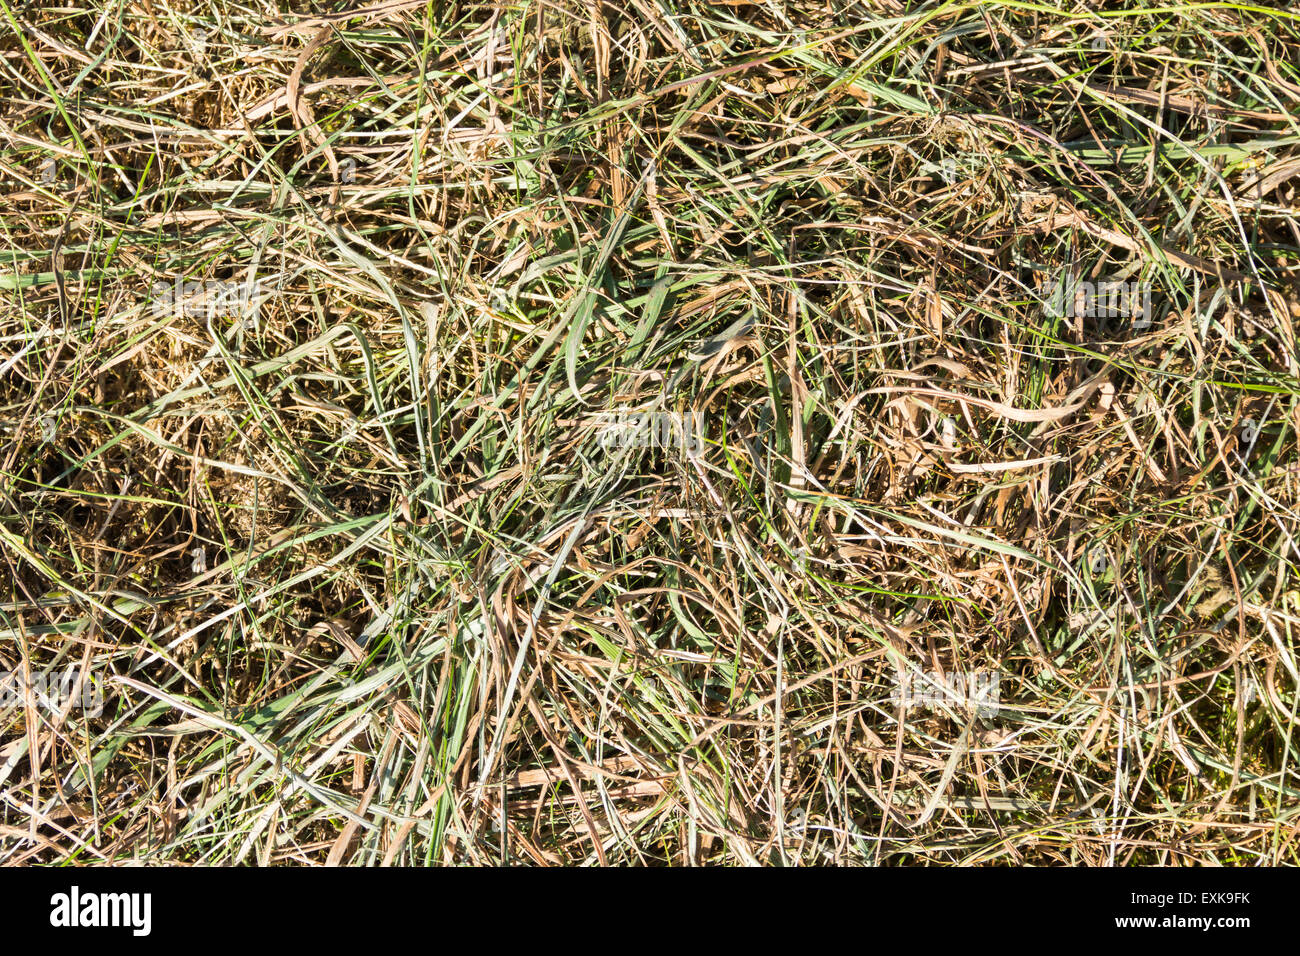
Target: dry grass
x=437 y=619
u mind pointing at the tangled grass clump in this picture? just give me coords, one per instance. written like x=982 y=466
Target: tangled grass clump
x=364 y=577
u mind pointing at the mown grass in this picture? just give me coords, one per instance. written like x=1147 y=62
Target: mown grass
x=364 y=584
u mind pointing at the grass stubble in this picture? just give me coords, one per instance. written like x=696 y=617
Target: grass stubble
x=363 y=584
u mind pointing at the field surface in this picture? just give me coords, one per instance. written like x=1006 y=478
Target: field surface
x=652 y=432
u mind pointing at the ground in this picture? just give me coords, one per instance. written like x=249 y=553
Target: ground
x=570 y=433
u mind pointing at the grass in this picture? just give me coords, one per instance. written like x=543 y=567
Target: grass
x=364 y=581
